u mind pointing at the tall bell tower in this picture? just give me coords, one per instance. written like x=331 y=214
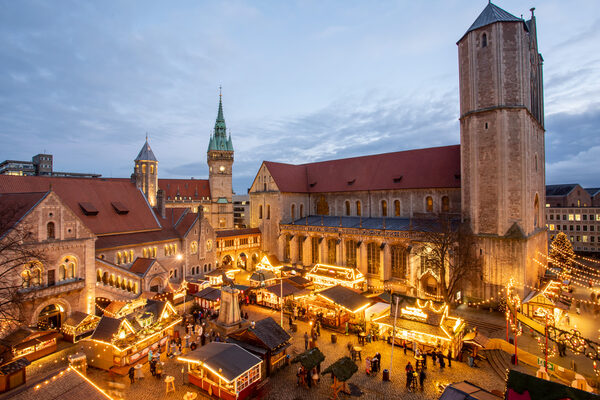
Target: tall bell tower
x=220 y=163
x=502 y=146
x=145 y=173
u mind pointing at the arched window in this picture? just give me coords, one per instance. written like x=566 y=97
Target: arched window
x=194 y=247
x=350 y=253
x=383 y=208
x=287 y=248
x=129 y=285
x=105 y=278
x=347 y=207
x=50 y=230
x=71 y=270
x=293 y=212
x=130 y=255
x=301 y=210
x=151 y=169
x=175 y=248
x=373 y=258
x=445 y=204
x=135 y=288
x=99 y=276
x=429 y=204
x=535 y=162
x=484 y=40
x=118 y=257
x=268 y=211
x=36 y=276
x=399 y=269
x=154 y=250
x=111 y=280
x=358 y=208
x=145 y=253
x=143 y=168
x=62 y=272
x=260 y=212
x=331 y=251
x=314 y=244
x=396 y=208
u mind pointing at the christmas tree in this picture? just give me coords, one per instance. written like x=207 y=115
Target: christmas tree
x=561 y=253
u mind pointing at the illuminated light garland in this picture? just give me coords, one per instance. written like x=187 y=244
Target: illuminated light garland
x=71 y=368
x=572 y=277
x=578 y=275
x=593 y=271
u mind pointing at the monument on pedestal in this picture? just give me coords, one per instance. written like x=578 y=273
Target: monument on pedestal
x=230 y=318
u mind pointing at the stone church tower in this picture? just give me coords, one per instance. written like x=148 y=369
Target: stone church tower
x=502 y=146
x=145 y=173
x=220 y=163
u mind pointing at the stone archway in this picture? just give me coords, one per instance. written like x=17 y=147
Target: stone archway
x=429 y=284
x=254 y=260
x=155 y=285
x=51 y=314
x=227 y=261
x=242 y=261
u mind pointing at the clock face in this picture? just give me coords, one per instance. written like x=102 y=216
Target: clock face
x=222 y=168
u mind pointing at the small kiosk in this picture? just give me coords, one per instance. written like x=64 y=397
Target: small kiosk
x=224 y=370
x=215 y=277
x=324 y=276
x=265 y=339
x=270 y=263
x=12 y=374
x=208 y=298
x=78 y=326
x=275 y=295
x=262 y=278
x=546 y=303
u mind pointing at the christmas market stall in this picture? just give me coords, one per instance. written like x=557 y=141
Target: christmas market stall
x=224 y=370
x=118 y=343
x=325 y=276
x=300 y=282
x=30 y=343
x=262 y=278
x=270 y=263
x=78 y=326
x=341 y=371
x=423 y=323
x=547 y=302
x=280 y=293
x=337 y=305
x=208 y=298
x=215 y=277
x=265 y=339
x=12 y=374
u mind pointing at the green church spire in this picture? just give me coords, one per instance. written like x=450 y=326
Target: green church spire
x=218 y=140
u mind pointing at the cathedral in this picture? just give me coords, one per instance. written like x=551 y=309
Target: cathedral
x=365 y=212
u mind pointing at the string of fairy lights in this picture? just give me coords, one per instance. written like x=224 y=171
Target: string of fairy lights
x=592 y=271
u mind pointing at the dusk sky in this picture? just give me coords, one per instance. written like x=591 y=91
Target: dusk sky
x=302 y=81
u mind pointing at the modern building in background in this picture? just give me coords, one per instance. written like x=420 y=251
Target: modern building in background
x=40 y=165
x=575 y=211
x=241 y=211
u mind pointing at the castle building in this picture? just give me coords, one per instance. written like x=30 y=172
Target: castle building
x=365 y=211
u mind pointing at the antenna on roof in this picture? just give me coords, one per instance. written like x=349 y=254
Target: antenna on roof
x=532 y=9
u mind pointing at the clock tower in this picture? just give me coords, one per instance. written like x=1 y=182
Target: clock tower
x=220 y=162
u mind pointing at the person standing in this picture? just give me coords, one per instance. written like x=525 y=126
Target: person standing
x=409 y=375
x=433 y=357
x=305 y=340
x=403 y=345
x=290 y=321
x=150 y=355
x=449 y=357
x=422 y=377
x=131 y=374
x=441 y=359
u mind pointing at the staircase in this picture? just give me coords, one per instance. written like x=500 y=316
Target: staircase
x=499 y=361
x=484 y=326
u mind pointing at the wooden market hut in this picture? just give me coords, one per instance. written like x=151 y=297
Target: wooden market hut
x=79 y=325
x=425 y=322
x=267 y=340
x=337 y=305
x=547 y=301
x=30 y=343
x=208 y=298
x=215 y=277
x=274 y=296
x=299 y=281
x=262 y=278
x=118 y=343
x=224 y=370
x=271 y=263
x=12 y=374
x=323 y=276
x=466 y=391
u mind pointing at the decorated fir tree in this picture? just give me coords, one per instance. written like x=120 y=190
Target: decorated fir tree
x=562 y=254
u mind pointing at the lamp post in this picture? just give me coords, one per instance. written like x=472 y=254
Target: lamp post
x=394 y=336
x=281 y=299
x=179 y=257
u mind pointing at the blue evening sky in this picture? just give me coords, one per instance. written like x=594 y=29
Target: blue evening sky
x=302 y=81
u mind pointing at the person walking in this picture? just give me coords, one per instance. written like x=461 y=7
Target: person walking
x=131 y=374
x=442 y=362
x=422 y=377
x=318 y=325
x=305 y=340
x=150 y=355
x=433 y=357
x=290 y=321
x=403 y=345
x=409 y=375
x=449 y=358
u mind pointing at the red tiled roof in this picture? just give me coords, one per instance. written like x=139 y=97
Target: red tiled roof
x=97 y=191
x=238 y=232
x=196 y=189
x=434 y=167
x=141 y=265
x=14 y=206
